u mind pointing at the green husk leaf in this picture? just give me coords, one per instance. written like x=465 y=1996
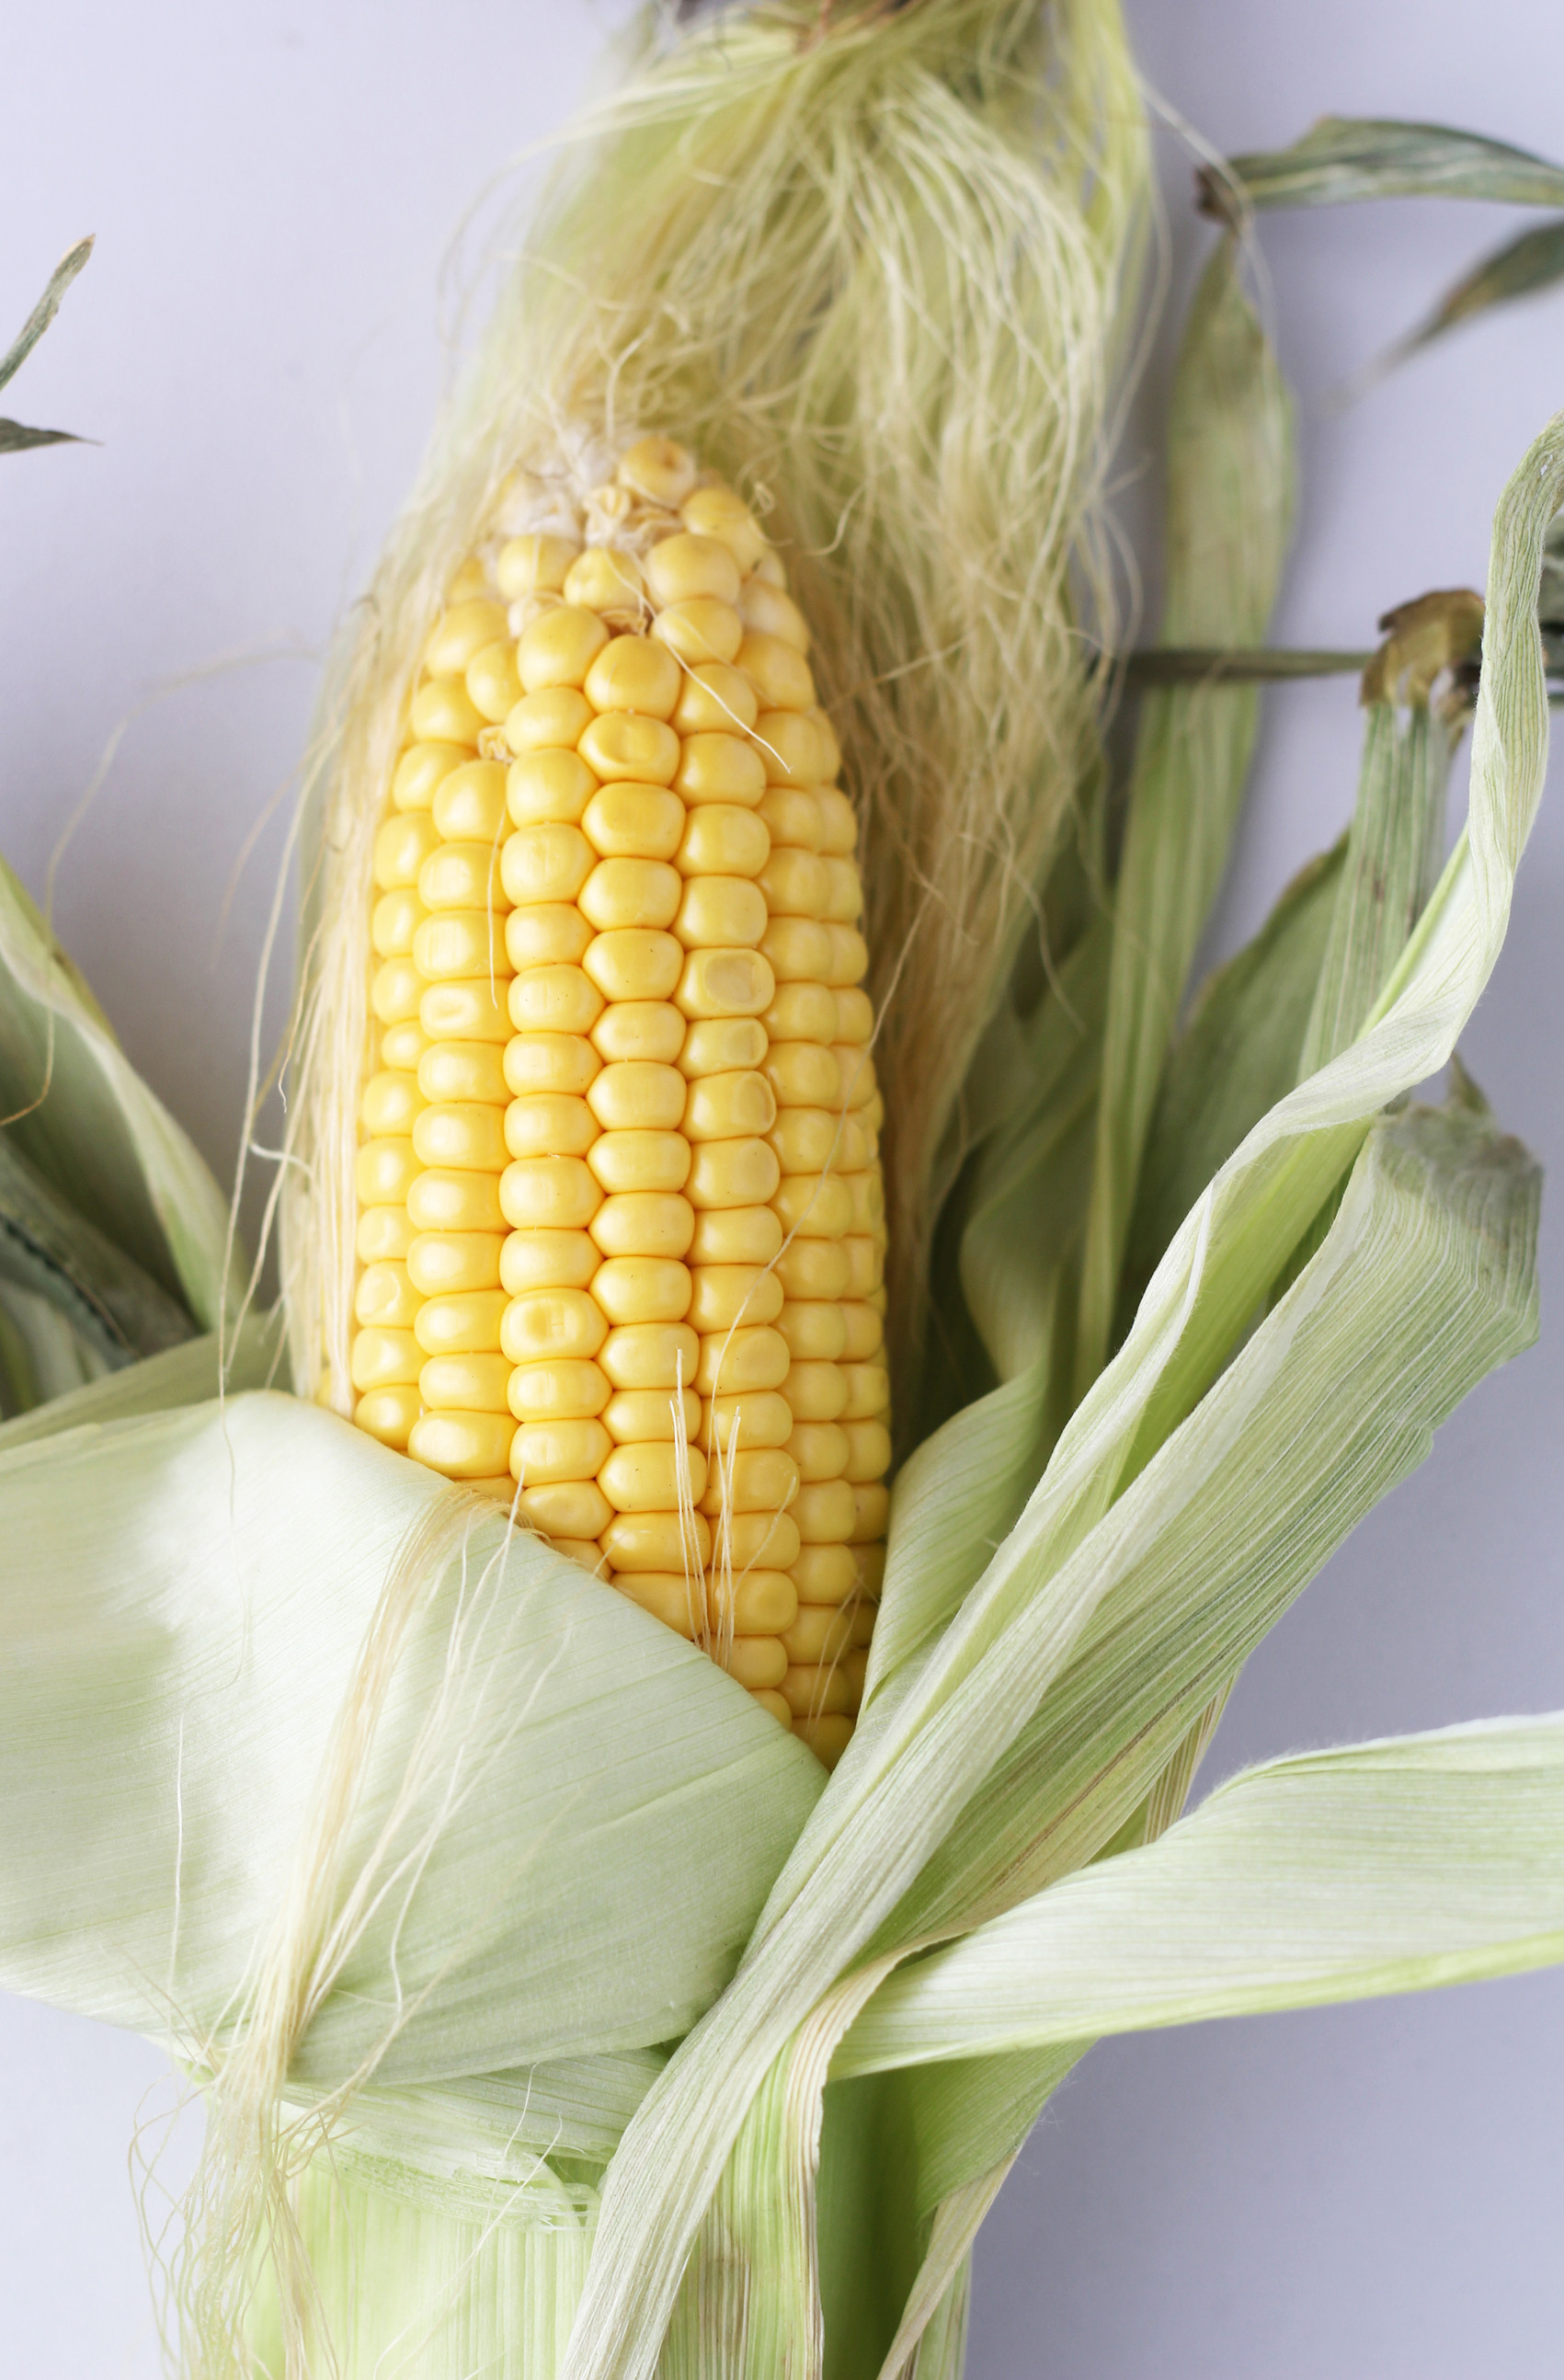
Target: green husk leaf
x=1342 y=1875
x=190 y=1373
x=1343 y=158
x=1230 y=509
x=1237 y=1055
x=932 y=1746
x=47 y=1248
x=16 y=438
x=1522 y=268
x=75 y=1108
x=1260 y=665
x=44 y=313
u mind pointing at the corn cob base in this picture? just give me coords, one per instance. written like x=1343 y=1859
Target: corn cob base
x=621 y=1229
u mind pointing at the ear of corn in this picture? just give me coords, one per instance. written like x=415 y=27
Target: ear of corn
x=621 y=1227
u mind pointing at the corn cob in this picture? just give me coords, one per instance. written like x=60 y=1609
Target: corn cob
x=621 y=1227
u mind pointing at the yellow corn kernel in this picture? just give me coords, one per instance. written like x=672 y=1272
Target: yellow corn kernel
x=442 y=1263
x=871 y=1511
x=473 y=1011
x=720 y=913
x=634 y=674
x=394 y=994
x=824 y=1511
x=658 y=468
x=634 y=963
x=736 y=1235
x=651 y=1355
x=469 y=805
x=723 y=1295
x=559 y=647
x=803 y=1074
x=462 y=1070
x=680 y=567
x=464 y=1322
x=553 y=933
x=492 y=681
x=641 y=1416
x=763 y=1480
x=870 y=1560
x=817 y=1206
x=726 y=1107
x=849 y=956
x=839 y=820
x=644 y=1224
x=384 y=1235
x=760 y=1603
x=720 y=839
x=457 y=945
x=397 y=918
x=384 y=1359
x=820 y=1449
x=462 y=876
x=391 y=1101
x=550 y=1061
x=545 y=863
x=385 y=1295
x=723 y=1045
x=554 y=1000
x=555 y=1194
x=866 y=1260
x=464 y=631
x=713 y=767
x=474 y=1383
x=532 y=565
x=629 y=820
x=553 y=718
x=421 y=770
x=792 y=818
x=440 y=1200
x=547 y=788
x=464 y=1445
x=574 y=1510
x=718 y=513
x=644 y=1288
x=620 y=745
x=388 y=1414
x=547 y=1259
x=815 y=1690
x=779 y=675
x=763 y=1540
x=795 y=883
x=815 y=1332
x=795 y=754
x=845 y=896
x=865 y=1333
x=808 y=1140
x=561 y=1390
x=825 y=1575
x=544 y=1452
x=714 y=698
x=735 y=1363
x=814 y=1269
x=666 y=1594
x=402 y=845
x=868 y=1453
x=766 y=611
x=822 y=1634
x=646 y=1478
x=638 y=1542
x=385 y=1170
x=637 y=1095
x=548 y=1124
x=702 y=632
x=630 y=892
x=752 y=1661
x=816 y=1391
x=604 y=579
x=552 y=1322
x=802 y=1011
x=762 y=1419
x=401 y=1046
x=649 y=1031
x=798 y=950
x=468 y=1135
x=442 y=711
x=725 y=983
x=731 y=1174
x=632 y=1162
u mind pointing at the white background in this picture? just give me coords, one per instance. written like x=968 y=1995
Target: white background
x=1365 y=2193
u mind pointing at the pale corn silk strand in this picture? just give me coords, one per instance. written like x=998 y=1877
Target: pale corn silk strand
x=875 y=278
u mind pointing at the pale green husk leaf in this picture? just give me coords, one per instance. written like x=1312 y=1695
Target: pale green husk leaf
x=1343 y=158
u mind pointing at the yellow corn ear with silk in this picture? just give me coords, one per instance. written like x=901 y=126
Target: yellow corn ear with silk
x=620 y=1232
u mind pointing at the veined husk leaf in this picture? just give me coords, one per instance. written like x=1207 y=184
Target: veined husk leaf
x=1340 y=1874
x=191 y=1374
x=924 y=1751
x=15 y=436
x=874 y=269
x=1522 y=267
x=1229 y=514
x=1347 y=157
x=195 y=1601
x=49 y=1251
x=76 y=1109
